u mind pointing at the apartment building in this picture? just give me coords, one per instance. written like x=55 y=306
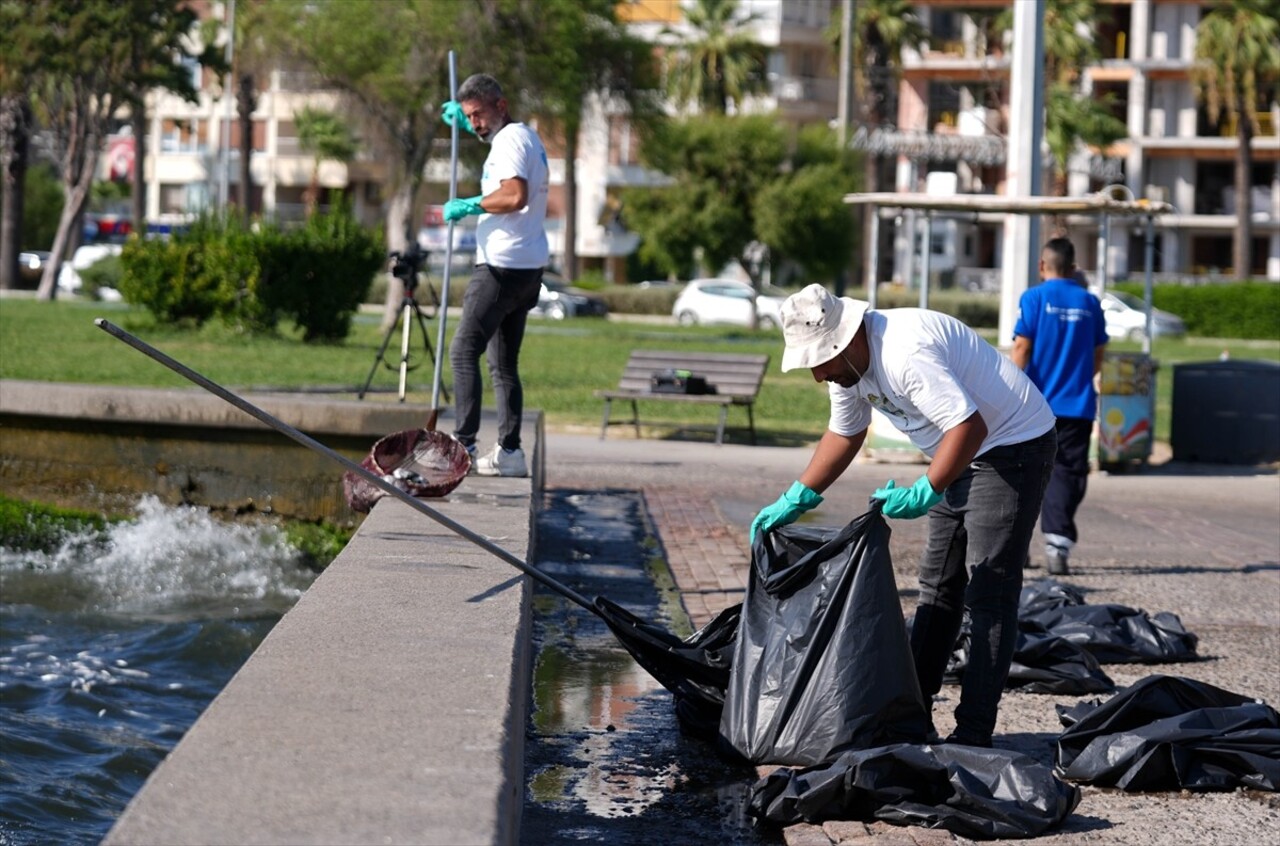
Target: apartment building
x=953 y=113
x=192 y=149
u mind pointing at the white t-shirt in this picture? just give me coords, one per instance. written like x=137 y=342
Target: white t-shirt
x=515 y=240
x=930 y=372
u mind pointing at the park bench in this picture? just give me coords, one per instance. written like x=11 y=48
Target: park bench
x=731 y=379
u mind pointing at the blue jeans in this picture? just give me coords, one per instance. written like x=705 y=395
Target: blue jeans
x=495 y=308
x=977 y=545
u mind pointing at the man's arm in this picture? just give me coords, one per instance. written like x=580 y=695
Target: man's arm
x=511 y=196
x=958 y=447
x=1098 y=353
x=1021 y=352
x=830 y=458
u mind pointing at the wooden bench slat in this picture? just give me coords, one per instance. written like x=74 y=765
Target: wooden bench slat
x=735 y=377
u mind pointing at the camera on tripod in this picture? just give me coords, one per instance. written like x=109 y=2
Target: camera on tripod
x=408 y=264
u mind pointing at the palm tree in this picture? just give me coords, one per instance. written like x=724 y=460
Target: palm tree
x=1237 y=62
x=719 y=62
x=882 y=28
x=325 y=136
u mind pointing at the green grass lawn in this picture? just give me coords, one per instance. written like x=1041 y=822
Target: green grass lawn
x=562 y=363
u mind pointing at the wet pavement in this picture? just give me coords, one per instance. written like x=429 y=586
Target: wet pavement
x=605 y=761
x=1200 y=541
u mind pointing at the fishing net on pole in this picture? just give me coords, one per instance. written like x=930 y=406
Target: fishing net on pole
x=421 y=462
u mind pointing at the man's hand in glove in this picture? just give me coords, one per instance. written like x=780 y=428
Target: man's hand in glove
x=451 y=112
x=456 y=210
x=908 y=503
x=798 y=499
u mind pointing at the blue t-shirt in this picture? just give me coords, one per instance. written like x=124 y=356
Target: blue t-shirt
x=1064 y=323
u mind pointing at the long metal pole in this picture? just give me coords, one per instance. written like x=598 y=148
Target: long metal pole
x=347 y=464
x=873 y=250
x=448 y=246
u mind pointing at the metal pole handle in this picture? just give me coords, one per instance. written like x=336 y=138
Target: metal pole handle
x=448 y=247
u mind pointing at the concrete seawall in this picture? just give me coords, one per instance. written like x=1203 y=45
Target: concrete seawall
x=389 y=704
x=90 y=446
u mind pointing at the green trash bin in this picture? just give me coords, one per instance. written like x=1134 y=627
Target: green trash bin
x=1126 y=409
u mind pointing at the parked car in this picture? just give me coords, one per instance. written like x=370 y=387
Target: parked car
x=727 y=301
x=558 y=300
x=69 y=275
x=1126 y=318
x=31 y=267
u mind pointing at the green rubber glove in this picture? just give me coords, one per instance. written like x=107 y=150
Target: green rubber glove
x=798 y=499
x=451 y=111
x=908 y=503
x=457 y=209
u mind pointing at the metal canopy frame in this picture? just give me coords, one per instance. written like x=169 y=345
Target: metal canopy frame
x=1103 y=205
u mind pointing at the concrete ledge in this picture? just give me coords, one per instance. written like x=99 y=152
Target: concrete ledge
x=87 y=446
x=388 y=706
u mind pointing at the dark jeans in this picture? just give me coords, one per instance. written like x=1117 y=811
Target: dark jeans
x=978 y=539
x=1069 y=480
x=495 y=308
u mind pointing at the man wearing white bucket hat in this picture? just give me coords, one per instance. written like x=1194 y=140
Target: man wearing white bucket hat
x=990 y=438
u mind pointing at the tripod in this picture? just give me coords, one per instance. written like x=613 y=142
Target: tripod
x=406 y=267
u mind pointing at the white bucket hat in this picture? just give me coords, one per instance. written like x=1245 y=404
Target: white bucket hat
x=816 y=326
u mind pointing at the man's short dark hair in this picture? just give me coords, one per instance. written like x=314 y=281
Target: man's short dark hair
x=1059 y=256
x=480 y=86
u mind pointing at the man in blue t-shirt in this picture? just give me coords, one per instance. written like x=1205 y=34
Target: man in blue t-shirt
x=1059 y=341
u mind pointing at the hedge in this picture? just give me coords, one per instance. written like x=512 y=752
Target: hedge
x=1246 y=310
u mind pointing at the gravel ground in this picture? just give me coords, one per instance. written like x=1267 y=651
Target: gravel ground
x=1200 y=541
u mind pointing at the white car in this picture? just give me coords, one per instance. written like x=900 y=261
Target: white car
x=1126 y=318
x=69 y=275
x=726 y=301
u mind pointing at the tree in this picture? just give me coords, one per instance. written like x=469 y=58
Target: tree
x=882 y=29
x=96 y=55
x=718 y=166
x=20 y=56
x=390 y=59
x=572 y=51
x=802 y=215
x=159 y=35
x=1237 y=63
x=326 y=137
x=1070 y=117
x=719 y=62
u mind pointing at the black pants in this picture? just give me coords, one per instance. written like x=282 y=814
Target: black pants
x=1069 y=479
x=494 y=310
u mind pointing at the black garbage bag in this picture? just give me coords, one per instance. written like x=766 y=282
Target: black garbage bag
x=1047 y=593
x=822 y=663
x=1116 y=634
x=1042 y=663
x=695 y=670
x=1172 y=733
x=972 y=792
x=1046 y=663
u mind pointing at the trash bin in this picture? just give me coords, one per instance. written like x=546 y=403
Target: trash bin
x=1126 y=408
x=1226 y=412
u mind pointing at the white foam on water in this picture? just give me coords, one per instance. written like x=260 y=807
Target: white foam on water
x=169 y=561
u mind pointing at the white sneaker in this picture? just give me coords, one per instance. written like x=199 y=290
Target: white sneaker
x=502 y=462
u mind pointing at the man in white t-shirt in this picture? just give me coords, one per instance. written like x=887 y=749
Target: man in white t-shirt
x=511 y=251
x=990 y=438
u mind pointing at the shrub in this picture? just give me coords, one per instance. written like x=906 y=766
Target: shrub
x=321 y=273
x=628 y=299
x=317 y=275
x=104 y=273
x=1247 y=310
